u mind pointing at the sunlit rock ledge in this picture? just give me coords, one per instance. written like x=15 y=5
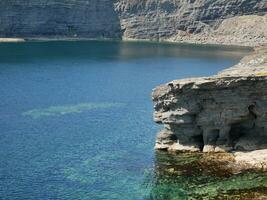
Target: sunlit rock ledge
x=12 y=40
x=222 y=113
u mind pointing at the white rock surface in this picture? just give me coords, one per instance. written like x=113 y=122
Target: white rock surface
x=226 y=112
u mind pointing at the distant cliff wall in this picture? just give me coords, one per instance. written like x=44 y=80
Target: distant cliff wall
x=164 y=18
x=172 y=20
x=69 y=18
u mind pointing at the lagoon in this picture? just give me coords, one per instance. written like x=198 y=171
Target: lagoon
x=76 y=122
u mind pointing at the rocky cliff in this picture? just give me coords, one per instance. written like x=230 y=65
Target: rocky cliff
x=223 y=113
x=63 y=18
x=195 y=21
x=164 y=18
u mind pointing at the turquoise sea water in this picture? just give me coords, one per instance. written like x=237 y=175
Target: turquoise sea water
x=76 y=122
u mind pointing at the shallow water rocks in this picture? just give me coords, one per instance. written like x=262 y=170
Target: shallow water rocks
x=222 y=113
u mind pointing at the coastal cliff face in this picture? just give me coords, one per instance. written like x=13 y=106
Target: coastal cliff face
x=68 y=18
x=195 y=21
x=229 y=22
x=222 y=113
x=164 y=18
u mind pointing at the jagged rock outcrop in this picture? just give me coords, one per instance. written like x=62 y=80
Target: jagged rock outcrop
x=223 y=113
x=194 y=21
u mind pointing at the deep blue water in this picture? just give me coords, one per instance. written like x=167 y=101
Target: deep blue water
x=76 y=117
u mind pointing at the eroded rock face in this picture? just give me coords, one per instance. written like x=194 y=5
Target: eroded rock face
x=161 y=18
x=64 y=18
x=195 y=21
x=239 y=30
x=222 y=113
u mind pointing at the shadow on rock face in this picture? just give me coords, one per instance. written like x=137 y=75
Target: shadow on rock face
x=54 y=18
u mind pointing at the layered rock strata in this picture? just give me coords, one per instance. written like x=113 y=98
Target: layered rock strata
x=240 y=30
x=223 y=113
x=235 y=22
x=59 y=18
x=193 y=21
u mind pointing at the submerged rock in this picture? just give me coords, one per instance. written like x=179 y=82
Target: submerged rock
x=223 y=113
x=205 y=176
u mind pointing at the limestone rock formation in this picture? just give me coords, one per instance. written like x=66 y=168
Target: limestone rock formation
x=194 y=21
x=223 y=113
x=245 y=30
x=59 y=18
x=197 y=21
x=157 y=19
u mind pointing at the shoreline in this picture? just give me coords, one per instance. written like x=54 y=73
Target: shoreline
x=162 y=41
x=186 y=42
x=12 y=40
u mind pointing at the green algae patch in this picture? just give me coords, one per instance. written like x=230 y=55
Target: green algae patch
x=68 y=109
x=200 y=177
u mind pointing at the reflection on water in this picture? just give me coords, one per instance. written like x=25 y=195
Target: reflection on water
x=110 y=51
x=187 y=176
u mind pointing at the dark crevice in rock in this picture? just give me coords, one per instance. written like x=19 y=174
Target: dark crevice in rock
x=198 y=139
x=251 y=111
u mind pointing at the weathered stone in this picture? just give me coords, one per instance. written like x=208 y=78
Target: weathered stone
x=163 y=19
x=59 y=18
x=252 y=159
x=238 y=30
x=165 y=138
x=231 y=112
x=231 y=22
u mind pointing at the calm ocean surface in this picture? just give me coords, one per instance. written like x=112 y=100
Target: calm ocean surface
x=76 y=120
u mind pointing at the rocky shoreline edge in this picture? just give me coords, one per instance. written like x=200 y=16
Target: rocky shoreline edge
x=225 y=114
x=3 y=40
x=192 y=40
